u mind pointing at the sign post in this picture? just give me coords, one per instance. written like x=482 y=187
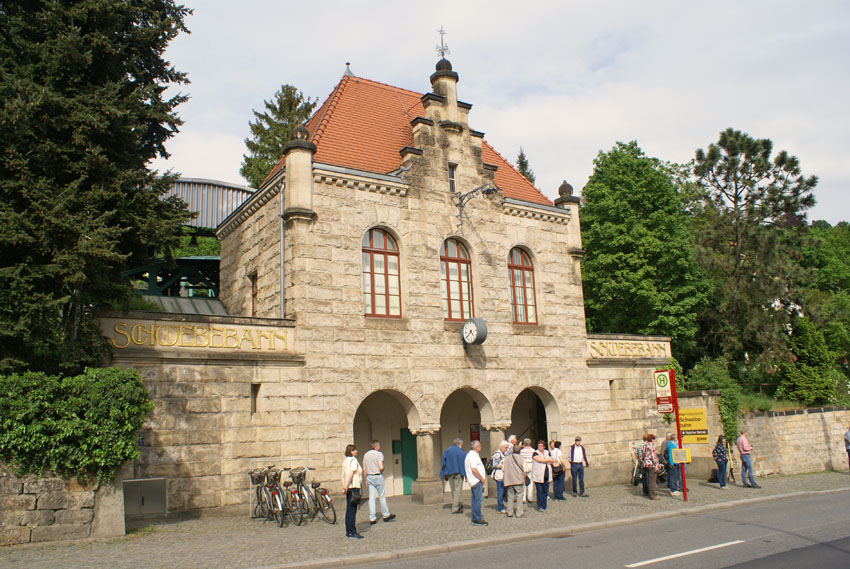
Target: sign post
x=668 y=402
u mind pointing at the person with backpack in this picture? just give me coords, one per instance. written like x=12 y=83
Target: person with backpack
x=498 y=475
x=513 y=467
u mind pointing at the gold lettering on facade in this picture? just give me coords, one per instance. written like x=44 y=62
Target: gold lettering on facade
x=626 y=349
x=124 y=334
x=120 y=328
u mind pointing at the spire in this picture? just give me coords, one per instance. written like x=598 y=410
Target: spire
x=348 y=72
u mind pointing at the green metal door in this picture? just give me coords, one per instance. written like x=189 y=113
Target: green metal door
x=409 y=465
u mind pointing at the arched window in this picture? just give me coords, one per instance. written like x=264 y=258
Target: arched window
x=522 y=287
x=455 y=280
x=381 y=281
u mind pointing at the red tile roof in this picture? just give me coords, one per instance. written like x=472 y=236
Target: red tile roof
x=363 y=124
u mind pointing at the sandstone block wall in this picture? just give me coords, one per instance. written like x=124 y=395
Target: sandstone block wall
x=52 y=509
x=798 y=441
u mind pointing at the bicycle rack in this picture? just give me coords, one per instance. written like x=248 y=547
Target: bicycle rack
x=276 y=462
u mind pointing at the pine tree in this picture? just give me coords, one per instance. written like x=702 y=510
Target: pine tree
x=270 y=132
x=747 y=231
x=523 y=167
x=82 y=113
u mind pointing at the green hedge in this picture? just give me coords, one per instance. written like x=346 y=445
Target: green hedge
x=77 y=427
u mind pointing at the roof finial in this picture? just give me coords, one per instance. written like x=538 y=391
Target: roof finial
x=442 y=49
x=348 y=72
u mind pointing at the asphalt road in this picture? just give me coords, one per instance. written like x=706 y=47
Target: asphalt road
x=799 y=533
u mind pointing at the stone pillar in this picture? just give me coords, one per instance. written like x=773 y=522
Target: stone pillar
x=444 y=83
x=298 y=192
x=427 y=488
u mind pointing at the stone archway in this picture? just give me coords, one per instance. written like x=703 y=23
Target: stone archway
x=385 y=415
x=535 y=415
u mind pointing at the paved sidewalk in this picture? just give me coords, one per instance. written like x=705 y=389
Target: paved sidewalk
x=234 y=541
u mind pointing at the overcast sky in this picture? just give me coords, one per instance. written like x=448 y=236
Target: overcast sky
x=562 y=79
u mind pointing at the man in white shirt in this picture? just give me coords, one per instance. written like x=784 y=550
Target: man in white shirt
x=475 y=474
x=373 y=467
x=578 y=460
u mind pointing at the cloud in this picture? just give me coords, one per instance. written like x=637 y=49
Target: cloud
x=562 y=79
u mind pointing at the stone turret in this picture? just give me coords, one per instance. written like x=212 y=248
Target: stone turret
x=298 y=193
x=442 y=105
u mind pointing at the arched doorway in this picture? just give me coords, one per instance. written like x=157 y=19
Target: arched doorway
x=384 y=416
x=463 y=413
x=535 y=415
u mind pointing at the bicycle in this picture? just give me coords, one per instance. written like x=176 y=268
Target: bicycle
x=315 y=502
x=262 y=501
x=290 y=500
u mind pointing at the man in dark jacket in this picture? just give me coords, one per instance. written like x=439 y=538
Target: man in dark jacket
x=453 y=470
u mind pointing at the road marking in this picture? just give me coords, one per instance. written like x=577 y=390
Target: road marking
x=685 y=553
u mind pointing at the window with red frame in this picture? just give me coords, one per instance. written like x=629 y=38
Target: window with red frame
x=456 y=280
x=522 y=287
x=381 y=280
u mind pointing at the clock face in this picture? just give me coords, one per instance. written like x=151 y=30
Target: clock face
x=470 y=331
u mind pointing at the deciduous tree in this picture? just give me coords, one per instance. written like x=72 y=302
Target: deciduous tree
x=639 y=273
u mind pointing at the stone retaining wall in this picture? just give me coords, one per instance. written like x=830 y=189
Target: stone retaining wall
x=52 y=509
x=798 y=441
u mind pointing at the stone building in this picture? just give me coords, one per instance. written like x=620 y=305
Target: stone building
x=388 y=229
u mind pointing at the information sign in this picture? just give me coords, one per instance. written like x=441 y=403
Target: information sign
x=694 y=426
x=663 y=393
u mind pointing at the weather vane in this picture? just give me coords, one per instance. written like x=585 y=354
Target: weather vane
x=442 y=49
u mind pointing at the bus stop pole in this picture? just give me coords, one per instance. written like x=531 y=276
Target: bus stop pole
x=681 y=466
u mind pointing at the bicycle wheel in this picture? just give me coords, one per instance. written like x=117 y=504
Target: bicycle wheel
x=326 y=507
x=308 y=504
x=264 y=504
x=293 y=508
x=278 y=508
x=258 y=501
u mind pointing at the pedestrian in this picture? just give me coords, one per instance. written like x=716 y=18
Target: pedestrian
x=847 y=443
x=558 y=471
x=373 y=466
x=512 y=444
x=721 y=457
x=475 y=474
x=639 y=449
x=514 y=469
x=578 y=460
x=663 y=456
x=352 y=481
x=674 y=473
x=745 y=449
x=452 y=470
x=649 y=463
x=499 y=475
x=527 y=452
x=541 y=473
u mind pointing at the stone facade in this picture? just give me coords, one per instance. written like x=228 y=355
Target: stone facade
x=53 y=509
x=409 y=381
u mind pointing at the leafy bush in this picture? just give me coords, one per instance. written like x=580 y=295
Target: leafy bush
x=79 y=426
x=714 y=374
x=811 y=378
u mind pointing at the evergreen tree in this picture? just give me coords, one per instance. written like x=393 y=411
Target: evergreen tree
x=747 y=231
x=523 y=167
x=639 y=275
x=270 y=132
x=82 y=113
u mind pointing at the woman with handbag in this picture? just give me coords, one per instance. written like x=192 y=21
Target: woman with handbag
x=541 y=473
x=558 y=472
x=352 y=481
